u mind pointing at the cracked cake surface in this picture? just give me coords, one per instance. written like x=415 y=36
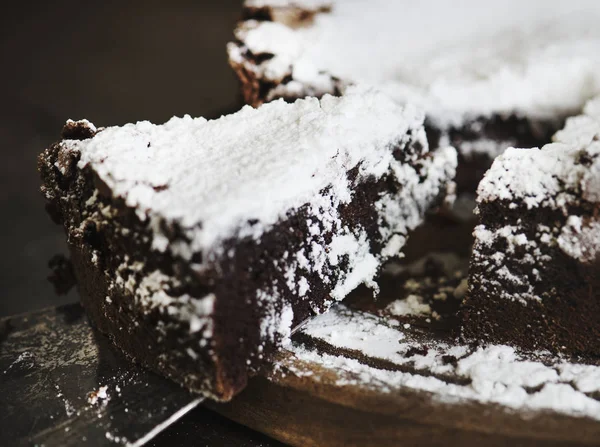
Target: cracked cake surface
x=534 y=272
x=198 y=245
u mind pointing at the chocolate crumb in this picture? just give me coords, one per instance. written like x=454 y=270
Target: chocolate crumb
x=449 y=360
x=414 y=350
x=77 y=130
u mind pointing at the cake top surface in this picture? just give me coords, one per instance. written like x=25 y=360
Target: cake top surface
x=237 y=175
x=469 y=59
x=559 y=174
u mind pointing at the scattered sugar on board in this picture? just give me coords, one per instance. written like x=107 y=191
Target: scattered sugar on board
x=24 y=360
x=115 y=438
x=99 y=396
x=497 y=374
x=411 y=305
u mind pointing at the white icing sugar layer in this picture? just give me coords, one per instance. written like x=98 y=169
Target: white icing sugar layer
x=488 y=374
x=558 y=175
x=539 y=58
x=412 y=305
x=238 y=175
x=549 y=177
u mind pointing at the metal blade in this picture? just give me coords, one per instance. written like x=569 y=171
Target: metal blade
x=62 y=383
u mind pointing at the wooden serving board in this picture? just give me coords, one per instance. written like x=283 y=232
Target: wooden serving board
x=316 y=412
x=337 y=386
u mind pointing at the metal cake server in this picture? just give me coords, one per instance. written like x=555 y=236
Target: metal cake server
x=61 y=383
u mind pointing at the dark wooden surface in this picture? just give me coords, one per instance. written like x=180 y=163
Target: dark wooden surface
x=314 y=410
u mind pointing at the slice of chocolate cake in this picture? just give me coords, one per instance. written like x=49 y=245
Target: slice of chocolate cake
x=489 y=75
x=198 y=245
x=534 y=278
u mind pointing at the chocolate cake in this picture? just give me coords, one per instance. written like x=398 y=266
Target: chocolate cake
x=534 y=278
x=199 y=245
x=487 y=77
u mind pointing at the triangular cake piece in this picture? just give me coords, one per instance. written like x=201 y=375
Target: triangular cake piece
x=198 y=245
x=534 y=278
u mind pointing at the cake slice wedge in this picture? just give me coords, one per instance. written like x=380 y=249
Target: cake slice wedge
x=534 y=276
x=198 y=245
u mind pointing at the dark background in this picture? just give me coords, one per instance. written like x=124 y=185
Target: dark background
x=112 y=63
x=109 y=62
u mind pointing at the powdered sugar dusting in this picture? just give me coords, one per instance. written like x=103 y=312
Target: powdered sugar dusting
x=543 y=184
x=592 y=108
x=491 y=148
x=488 y=374
x=411 y=305
x=362 y=271
x=314 y=143
x=581 y=239
x=500 y=272
x=285 y=326
x=191 y=195
x=213 y=177
x=276 y=322
x=555 y=174
x=543 y=62
x=562 y=178
x=99 y=396
x=151 y=291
